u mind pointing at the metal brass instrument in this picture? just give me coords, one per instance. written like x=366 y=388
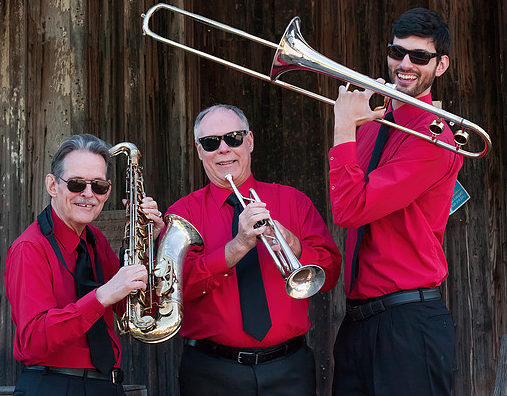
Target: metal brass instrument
x=300 y=281
x=153 y=315
x=293 y=53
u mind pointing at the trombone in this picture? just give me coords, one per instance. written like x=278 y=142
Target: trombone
x=293 y=53
x=300 y=281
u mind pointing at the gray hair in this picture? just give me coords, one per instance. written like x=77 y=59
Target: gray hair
x=80 y=142
x=236 y=110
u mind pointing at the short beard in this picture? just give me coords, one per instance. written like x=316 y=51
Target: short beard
x=419 y=88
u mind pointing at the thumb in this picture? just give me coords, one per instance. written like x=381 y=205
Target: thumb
x=379 y=113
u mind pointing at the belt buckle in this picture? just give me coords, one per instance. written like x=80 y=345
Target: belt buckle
x=116 y=376
x=247 y=357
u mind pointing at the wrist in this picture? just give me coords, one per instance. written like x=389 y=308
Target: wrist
x=100 y=295
x=235 y=250
x=344 y=133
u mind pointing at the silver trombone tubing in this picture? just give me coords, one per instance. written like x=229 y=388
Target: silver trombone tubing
x=293 y=53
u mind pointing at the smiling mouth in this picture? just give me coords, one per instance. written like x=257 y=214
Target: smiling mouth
x=406 y=76
x=81 y=205
x=222 y=163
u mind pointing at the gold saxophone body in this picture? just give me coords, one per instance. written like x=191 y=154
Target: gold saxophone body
x=153 y=315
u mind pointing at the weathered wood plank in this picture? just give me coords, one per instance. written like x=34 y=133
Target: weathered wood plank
x=72 y=66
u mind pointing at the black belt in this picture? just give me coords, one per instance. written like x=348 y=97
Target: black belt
x=248 y=356
x=116 y=376
x=364 y=309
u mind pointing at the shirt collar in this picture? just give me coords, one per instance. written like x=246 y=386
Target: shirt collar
x=220 y=194
x=403 y=114
x=67 y=237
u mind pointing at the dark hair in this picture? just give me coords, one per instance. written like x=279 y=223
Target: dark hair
x=201 y=115
x=424 y=23
x=80 y=142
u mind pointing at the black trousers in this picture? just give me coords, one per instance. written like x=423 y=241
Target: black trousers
x=204 y=375
x=406 y=350
x=40 y=383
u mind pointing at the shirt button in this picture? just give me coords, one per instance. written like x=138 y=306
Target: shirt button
x=332 y=158
x=203 y=292
x=332 y=187
x=226 y=275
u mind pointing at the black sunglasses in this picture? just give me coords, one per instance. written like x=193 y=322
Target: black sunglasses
x=232 y=139
x=417 y=57
x=78 y=184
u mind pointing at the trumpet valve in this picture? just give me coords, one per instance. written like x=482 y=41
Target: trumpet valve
x=436 y=128
x=461 y=138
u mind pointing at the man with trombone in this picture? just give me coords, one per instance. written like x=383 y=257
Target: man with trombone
x=244 y=326
x=393 y=191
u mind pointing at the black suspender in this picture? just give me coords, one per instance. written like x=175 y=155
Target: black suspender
x=47 y=228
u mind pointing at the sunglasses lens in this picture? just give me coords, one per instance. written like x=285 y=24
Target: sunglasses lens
x=420 y=58
x=76 y=185
x=210 y=143
x=396 y=52
x=100 y=186
x=416 y=57
x=234 y=139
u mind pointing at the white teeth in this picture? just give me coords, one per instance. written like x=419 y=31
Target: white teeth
x=406 y=76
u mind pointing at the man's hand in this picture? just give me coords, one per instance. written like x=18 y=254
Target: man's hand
x=352 y=109
x=150 y=209
x=127 y=279
x=289 y=237
x=246 y=239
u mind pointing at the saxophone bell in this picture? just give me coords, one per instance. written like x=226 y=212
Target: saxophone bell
x=155 y=314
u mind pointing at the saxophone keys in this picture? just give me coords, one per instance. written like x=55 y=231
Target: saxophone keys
x=165 y=308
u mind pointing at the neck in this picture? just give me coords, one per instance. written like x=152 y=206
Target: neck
x=396 y=104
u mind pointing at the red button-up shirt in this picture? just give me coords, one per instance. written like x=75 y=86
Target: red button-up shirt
x=210 y=290
x=405 y=203
x=51 y=323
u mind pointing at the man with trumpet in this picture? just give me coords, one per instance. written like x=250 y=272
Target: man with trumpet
x=393 y=191
x=243 y=333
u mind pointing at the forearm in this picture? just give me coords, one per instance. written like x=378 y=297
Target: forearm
x=42 y=331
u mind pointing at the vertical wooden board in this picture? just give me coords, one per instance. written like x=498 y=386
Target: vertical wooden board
x=13 y=179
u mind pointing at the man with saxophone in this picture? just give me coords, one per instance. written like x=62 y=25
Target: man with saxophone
x=243 y=334
x=62 y=280
x=393 y=191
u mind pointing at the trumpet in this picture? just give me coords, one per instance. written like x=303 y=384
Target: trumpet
x=300 y=281
x=293 y=53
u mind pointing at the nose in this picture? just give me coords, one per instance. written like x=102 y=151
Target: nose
x=405 y=62
x=87 y=192
x=224 y=147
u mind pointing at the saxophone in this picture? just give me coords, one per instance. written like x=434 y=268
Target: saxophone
x=153 y=315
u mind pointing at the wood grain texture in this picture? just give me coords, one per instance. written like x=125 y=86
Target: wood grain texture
x=72 y=66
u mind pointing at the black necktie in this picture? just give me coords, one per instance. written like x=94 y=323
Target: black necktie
x=252 y=296
x=382 y=135
x=101 y=348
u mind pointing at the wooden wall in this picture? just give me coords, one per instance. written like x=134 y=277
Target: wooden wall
x=73 y=66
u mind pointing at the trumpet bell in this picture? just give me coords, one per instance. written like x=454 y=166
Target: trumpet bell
x=305 y=281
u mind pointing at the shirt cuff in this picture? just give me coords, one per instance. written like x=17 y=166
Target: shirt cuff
x=215 y=262
x=90 y=308
x=342 y=154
